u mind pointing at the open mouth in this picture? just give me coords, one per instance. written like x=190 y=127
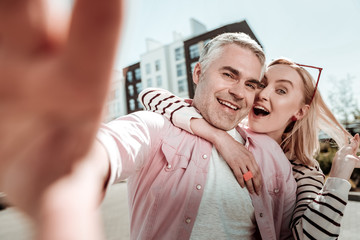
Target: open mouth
x=229 y=105
x=260 y=111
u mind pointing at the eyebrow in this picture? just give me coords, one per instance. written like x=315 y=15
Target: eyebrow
x=231 y=69
x=286 y=81
x=237 y=74
x=265 y=81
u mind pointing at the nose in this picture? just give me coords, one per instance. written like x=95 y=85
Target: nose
x=264 y=94
x=237 y=91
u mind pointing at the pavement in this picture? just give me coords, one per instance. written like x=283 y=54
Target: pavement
x=14 y=226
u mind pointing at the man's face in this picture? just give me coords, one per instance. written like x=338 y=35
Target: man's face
x=226 y=90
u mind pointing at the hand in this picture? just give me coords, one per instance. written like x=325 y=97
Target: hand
x=53 y=84
x=345 y=160
x=239 y=159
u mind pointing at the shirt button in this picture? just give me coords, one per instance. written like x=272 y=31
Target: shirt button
x=204 y=156
x=188 y=220
x=198 y=187
x=261 y=214
x=276 y=190
x=168 y=166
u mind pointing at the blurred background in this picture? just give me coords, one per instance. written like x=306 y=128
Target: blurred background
x=162 y=40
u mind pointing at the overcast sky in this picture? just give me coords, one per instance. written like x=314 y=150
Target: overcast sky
x=324 y=33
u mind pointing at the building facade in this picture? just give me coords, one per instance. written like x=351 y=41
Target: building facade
x=170 y=66
x=194 y=45
x=115 y=105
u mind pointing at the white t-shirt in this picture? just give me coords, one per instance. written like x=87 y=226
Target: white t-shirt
x=226 y=210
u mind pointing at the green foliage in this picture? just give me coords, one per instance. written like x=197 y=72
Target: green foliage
x=325 y=157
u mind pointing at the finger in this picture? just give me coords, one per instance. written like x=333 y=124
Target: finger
x=250 y=186
x=257 y=180
x=248 y=176
x=22 y=25
x=93 y=40
x=257 y=176
x=354 y=143
x=239 y=176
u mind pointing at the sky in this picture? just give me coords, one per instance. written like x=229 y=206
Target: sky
x=324 y=33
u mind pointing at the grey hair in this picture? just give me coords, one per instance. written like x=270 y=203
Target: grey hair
x=213 y=47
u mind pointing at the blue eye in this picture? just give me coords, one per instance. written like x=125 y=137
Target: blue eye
x=281 y=91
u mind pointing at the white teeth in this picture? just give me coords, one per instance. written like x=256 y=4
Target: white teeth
x=228 y=105
x=261 y=108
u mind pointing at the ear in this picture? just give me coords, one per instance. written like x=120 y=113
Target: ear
x=301 y=113
x=197 y=73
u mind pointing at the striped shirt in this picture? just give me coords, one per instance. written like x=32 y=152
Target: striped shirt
x=319 y=206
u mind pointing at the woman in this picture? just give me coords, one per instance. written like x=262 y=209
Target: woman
x=291 y=111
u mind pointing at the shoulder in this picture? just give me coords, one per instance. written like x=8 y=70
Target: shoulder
x=267 y=152
x=301 y=170
x=261 y=141
x=144 y=117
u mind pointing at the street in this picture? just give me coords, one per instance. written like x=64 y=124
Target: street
x=13 y=226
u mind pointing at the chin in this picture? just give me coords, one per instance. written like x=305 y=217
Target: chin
x=256 y=128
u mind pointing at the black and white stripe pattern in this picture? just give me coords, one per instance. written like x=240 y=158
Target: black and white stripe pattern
x=319 y=207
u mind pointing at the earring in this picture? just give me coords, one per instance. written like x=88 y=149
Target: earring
x=293 y=118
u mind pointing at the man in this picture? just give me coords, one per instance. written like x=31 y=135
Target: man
x=179 y=187
x=169 y=170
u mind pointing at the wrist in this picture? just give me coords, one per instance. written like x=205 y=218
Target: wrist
x=218 y=137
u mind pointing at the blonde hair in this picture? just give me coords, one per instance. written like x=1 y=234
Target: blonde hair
x=300 y=139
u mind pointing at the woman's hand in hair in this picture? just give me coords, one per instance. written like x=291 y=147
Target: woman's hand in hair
x=239 y=159
x=346 y=160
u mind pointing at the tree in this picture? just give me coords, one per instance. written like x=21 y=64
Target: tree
x=342 y=100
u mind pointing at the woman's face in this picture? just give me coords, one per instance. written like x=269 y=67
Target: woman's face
x=280 y=100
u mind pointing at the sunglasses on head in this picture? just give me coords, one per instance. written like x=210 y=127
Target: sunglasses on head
x=317 y=82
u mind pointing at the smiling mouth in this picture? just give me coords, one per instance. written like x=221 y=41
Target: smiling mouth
x=260 y=111
x=227 y=104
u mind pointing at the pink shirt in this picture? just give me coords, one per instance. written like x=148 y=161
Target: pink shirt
x=167 y=167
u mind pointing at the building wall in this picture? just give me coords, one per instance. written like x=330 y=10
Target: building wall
x=115 y=106
x=178 y=76
x=170 y=66
x=193 y=46
x=155 y=68
x=133 y=86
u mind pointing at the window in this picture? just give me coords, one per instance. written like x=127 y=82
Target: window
x=129 y=76
x=149 y=82
x=138 y=87
x=132 y=104
x=192 y=65
x=206 y=41
x=180 y=69
x=131 y=90
x=137 y=74
x=148 y=68
x=157 y=65
x=182 y=86
x=158 y=81
x=179 y=53
x=140 y=106
x=194 y=51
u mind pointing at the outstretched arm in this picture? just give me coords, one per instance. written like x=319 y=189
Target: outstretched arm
x=53 y=84
x=183 y=115
x=319 y=208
